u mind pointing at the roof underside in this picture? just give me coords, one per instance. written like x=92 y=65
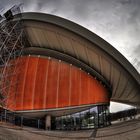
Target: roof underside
x=47 y=32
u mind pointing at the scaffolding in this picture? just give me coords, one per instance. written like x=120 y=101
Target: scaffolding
x=12 y=41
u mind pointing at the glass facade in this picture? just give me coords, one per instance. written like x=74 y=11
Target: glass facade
x=95 y=117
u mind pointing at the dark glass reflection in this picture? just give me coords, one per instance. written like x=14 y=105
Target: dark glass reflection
x=88 y=119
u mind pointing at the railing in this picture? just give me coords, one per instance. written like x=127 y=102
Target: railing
x=7 y=116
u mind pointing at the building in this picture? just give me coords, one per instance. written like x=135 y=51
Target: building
x=68 y=75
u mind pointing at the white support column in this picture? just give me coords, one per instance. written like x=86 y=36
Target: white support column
x=48 y=122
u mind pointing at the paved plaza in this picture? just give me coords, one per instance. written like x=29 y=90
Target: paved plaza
x=128 y=130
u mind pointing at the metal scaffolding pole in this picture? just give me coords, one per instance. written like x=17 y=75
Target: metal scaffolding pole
x=11 y=44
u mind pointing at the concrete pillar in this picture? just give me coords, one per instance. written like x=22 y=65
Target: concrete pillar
x=48 y=122
x=21 y=123
x=38 y=123
x=5 y=114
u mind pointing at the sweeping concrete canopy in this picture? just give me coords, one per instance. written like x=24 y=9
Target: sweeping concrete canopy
x=49 y=35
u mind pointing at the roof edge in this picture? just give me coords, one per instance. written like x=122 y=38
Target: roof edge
x=85 y=33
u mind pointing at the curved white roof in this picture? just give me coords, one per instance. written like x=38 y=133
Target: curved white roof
x=57 y=37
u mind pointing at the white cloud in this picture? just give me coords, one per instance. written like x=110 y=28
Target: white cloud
x=116 y=21
x=115 y=107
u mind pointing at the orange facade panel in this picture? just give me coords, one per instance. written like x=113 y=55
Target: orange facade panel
x=48 y=83
x=84 y=96
x=15 y=80
x=21 y=82
x=29 y=88
x=40 y=84
x=64 y=85
x=75 y=86
x=92 y=90
x=52 y=85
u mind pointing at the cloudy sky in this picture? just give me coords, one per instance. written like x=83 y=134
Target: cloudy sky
x=116 y=21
